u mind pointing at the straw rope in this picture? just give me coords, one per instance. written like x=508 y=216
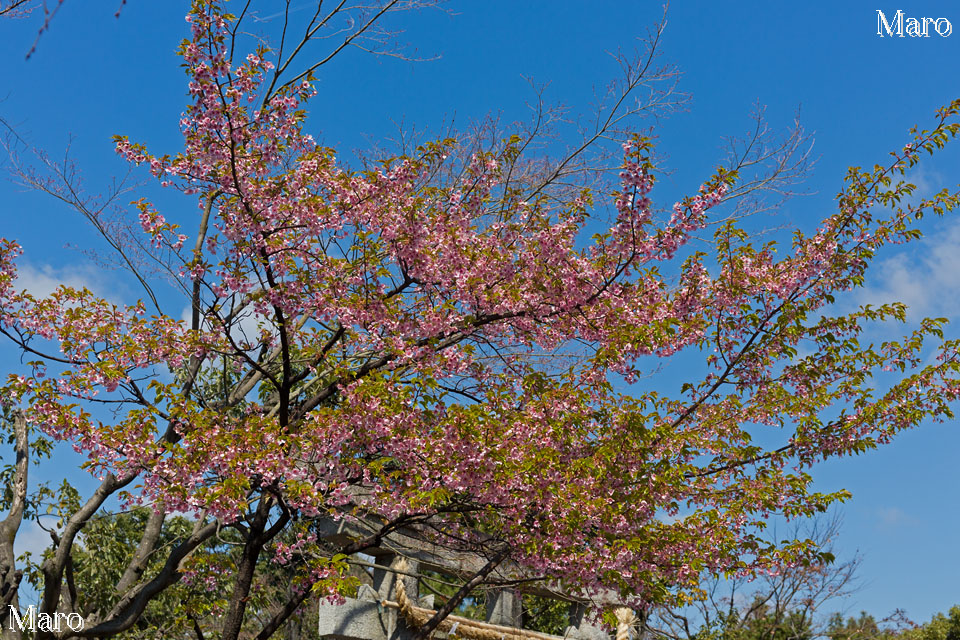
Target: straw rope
x=625 y=620
x=460 y=627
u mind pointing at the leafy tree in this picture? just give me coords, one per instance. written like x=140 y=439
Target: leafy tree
x=866 y=627
x=761 y=622
x=862 y=627
x=545 y=615
x=940 y=627
x=440 y=344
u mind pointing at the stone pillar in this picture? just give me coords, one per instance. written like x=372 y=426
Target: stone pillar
x=581 y=626
x=504 y=607
x=352 y=620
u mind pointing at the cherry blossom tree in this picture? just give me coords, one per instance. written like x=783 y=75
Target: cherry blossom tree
x=453 y=341
x=15 y=8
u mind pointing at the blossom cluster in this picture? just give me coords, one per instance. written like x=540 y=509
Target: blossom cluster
x=373 y=343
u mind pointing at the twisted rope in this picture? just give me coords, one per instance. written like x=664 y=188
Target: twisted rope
x=458 y=626
x=625 y=620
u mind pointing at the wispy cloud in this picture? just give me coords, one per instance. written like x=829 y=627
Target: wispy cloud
x=41 y=281
x=32 y=538
x=894 y=517
x=926 y=277
x=928 y=282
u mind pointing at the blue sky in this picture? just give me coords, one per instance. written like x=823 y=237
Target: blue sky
x=94 y=76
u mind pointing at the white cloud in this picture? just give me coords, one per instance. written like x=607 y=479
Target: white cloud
x=43 y=280
x=894 y=517
x=246 y=327
x=927 y=280
x=31 y=538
